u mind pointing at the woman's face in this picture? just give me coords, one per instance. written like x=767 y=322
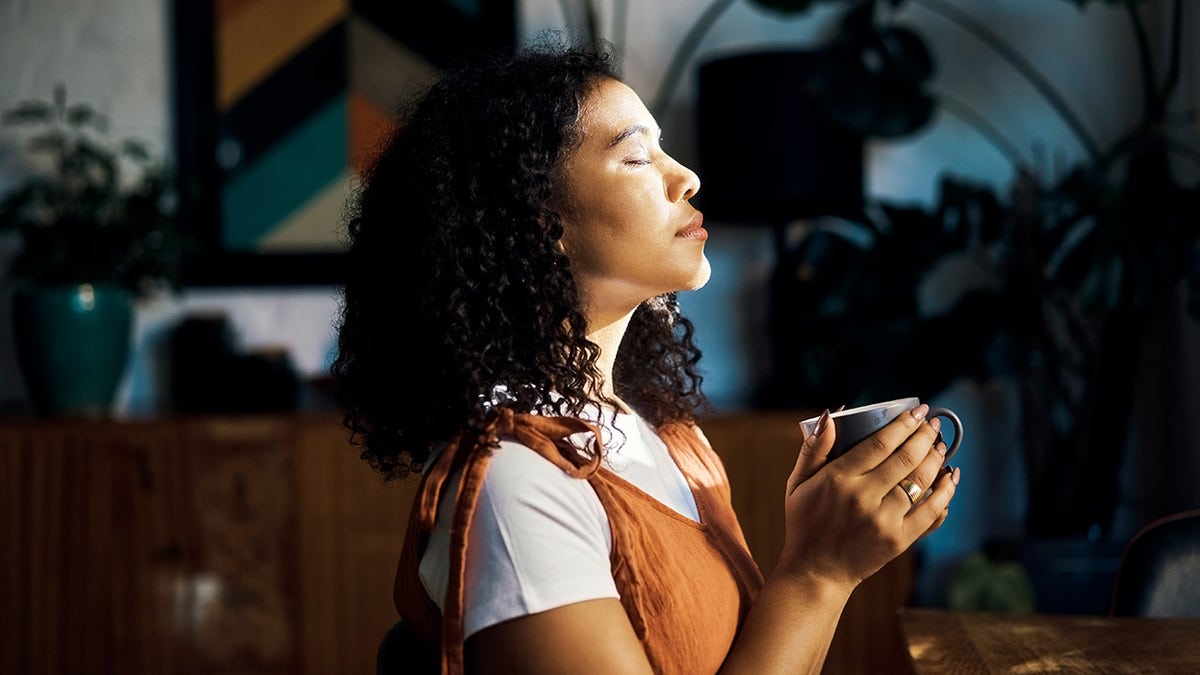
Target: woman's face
x=628 y=230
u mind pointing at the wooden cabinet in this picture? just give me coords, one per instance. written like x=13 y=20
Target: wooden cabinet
x=264 y=544
x=212 y=545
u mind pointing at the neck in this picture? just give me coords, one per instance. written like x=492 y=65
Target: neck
x=607 y=337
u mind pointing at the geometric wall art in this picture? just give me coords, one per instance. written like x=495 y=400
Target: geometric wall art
x=279 y=105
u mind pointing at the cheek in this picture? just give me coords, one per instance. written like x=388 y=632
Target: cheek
x=587 y=245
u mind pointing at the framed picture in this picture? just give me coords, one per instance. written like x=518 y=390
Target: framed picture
x=279 y=105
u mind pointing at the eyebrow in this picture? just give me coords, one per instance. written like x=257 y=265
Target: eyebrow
x=629 y=131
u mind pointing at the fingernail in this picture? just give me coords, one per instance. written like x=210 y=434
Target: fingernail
x=956 y=475
x=935 y=423
x=822 y=423
x=941 y=448
x=918 y=412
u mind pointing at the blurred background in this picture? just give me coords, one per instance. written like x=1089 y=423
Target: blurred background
x=990 y=204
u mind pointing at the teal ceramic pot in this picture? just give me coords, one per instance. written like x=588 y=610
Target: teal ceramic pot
x=73 y=345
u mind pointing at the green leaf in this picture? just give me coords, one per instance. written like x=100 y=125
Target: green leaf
x=870 y=80
x=28 y=112
x=907 y=55
x=82 y=115
x=969 y=212
x=92 y=164
x=858 y=25
x=136 y=150
x=52 y=141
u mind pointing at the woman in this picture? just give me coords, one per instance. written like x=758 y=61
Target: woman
x=510 y=329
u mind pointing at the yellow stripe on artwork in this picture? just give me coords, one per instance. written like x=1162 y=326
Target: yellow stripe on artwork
x=253 y=41
x=317 y=225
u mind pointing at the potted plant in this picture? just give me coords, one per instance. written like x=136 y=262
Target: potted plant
x=96 y=228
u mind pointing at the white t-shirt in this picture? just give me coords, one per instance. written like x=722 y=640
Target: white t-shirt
x=539 y=538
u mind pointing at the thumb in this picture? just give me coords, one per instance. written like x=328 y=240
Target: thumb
x=813 y=452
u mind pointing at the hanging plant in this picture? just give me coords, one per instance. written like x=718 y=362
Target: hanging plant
x=872 y=77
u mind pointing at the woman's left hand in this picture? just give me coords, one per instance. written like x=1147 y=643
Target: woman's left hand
x=848 y=517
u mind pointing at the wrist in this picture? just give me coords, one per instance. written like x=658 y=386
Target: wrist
x=813 y=585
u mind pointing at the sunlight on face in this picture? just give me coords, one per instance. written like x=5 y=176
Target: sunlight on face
x=630 y=232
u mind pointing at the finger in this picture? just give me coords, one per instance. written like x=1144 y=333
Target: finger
x=941 y=518
x=922 y=477
x=870 y=453
x=906 y=459
x=910 y=493
x=813 y=452
x=937 y=523
x=923 y=516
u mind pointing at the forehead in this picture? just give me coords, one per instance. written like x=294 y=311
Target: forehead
x=609 y=108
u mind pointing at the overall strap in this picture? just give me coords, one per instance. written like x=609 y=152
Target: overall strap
x=706 y=475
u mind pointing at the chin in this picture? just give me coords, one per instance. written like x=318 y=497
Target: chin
x=702 y=275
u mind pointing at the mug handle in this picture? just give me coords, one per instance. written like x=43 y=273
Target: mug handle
x=958 y=430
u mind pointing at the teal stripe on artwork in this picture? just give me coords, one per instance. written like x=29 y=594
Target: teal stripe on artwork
x=262 y=196
x=468 y=7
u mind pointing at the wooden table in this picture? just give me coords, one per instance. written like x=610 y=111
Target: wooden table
x=940 y=641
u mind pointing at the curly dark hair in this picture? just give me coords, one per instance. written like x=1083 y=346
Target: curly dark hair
x=458 y=297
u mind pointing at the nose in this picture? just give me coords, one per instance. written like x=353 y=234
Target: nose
x=682 y=183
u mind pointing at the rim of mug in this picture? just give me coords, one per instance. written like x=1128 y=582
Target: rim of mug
x=867 y=408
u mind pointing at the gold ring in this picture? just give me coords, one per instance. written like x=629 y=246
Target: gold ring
x=911 y=489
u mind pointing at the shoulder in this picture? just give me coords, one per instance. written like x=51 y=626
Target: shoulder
x=520 y=481
x=539 y=539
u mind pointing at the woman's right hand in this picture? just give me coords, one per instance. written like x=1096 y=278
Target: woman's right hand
x=848 y=518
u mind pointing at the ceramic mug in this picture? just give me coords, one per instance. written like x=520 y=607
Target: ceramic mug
x=856 y=424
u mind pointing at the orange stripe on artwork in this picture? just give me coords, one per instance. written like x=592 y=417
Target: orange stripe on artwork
x=368 y=128
x=223 y=10
x=254 y=37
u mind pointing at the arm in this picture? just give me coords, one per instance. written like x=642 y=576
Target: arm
x=584 y=638
x=845 y=521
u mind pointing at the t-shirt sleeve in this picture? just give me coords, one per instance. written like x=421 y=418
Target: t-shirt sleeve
x=539 y=539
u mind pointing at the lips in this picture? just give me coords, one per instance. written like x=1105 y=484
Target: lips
x=694 y=229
